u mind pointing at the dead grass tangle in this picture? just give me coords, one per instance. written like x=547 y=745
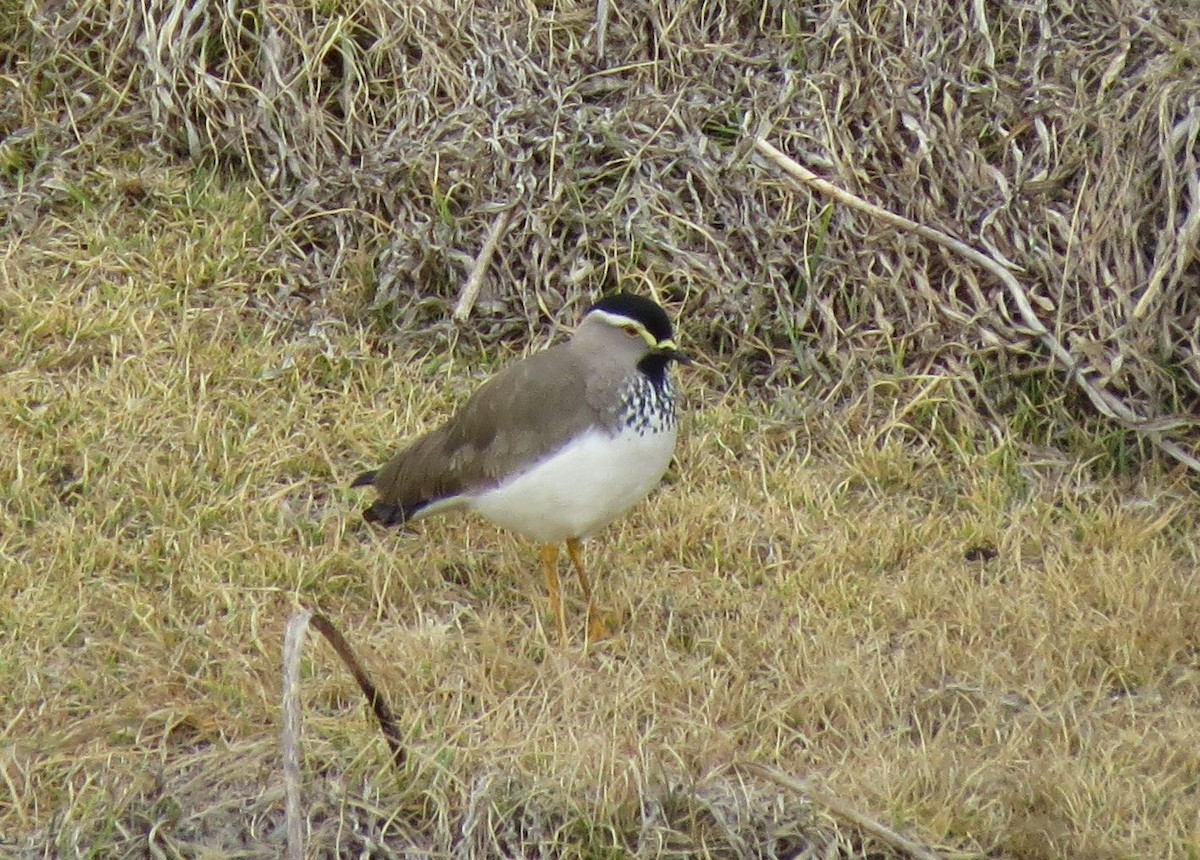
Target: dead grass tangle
x=922 y=581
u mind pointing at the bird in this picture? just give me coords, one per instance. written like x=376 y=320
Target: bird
x=556 y=445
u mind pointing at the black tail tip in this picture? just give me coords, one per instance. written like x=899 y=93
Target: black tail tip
x=385 y=514
x=366 y=479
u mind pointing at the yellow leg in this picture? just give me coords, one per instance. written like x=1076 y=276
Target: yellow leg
x=596 y=628
x=575 y=551
x=550 y=568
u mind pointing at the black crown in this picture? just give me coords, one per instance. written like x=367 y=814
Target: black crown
x=639 y=309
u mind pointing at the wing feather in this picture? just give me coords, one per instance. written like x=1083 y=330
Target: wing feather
x=528 y=409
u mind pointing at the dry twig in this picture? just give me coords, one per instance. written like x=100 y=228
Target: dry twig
x=293 y=648
x=1105 y=401
x=470 y=290
x=842 y=809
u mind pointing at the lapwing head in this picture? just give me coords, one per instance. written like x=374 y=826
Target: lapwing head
x=633 y=330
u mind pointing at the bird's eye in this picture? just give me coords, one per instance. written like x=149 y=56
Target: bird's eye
x=630 y=330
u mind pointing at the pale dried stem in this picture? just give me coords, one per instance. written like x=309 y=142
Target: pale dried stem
x=843 y=810
x=1105 y=401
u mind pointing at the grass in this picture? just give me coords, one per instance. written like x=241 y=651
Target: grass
x=813 y=592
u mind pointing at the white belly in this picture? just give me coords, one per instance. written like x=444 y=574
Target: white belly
x=582 y=488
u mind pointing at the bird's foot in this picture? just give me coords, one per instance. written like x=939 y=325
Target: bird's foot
x=598 y=631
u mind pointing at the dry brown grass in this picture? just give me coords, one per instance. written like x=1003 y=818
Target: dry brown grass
x=805 y=595
x=388 y=138
x=231 y=237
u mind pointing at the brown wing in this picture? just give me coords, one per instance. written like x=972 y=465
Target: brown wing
x=527 y=409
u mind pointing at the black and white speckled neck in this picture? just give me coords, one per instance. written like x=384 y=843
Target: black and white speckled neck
x=648 y=406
